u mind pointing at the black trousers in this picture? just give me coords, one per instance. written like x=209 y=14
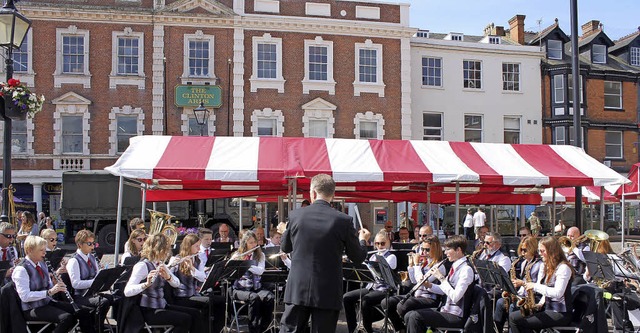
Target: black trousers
x=295 y=319
x=260 y=308
x=54 y=312
x=501 y=315
x=397 y=311
x=200 y=303
x=370 y=298
x=98 y=305
x=540 y=320
x=417 y=321
x=180 y=317
x=468 y=232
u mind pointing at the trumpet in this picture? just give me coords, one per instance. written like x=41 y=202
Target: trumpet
x=421 y=282
x=76 y=309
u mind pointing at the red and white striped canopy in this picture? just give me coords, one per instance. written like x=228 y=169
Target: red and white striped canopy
x=590 y=195
x=262 y=160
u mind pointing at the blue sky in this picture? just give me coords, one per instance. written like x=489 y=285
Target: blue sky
x=619 y=17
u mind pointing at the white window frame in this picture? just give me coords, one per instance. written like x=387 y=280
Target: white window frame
x=200 y=79
x=570 y=88
x=319 y=85
x=27 y=77
x=369 y=87
x=267 y=113
x=318 y=109
x=441 y=128
x=634 y=56
x=494 y=40
x=30 y=138
x=559 y=130
x=558 y=89
x=472 y=70
x=187 y=113
x=474 y=129
x=369 y=117
x=599 y=54
x=513 y=130
x=435 y=68
x=71 y=104
x=620 y=145
x=619 y=94
x=454 y=36
x=126 y=110
x=516 y=84
x=266 y=83
x=116 y=79
x=60 y=78
x=553 y=46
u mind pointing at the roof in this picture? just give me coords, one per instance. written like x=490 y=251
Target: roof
x=547 y=31
x=624 y=41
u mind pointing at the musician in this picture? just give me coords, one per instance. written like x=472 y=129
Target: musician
x=191 y=278
x=492 y=244
x=524 y=232
x=35 y=288
x=453 y=286
x=148 y=279
x=249 y=289
x=275 y=239
x=374 y=293
x=403 y=235
x=262 y=240
x=51 y=237
x=529 y=261
x=83 y=268
x=223 y=232
x=206 y=236
x=576 y=256
x=133 y=247
x=7 y=251
x=482 y=232
x=136 y=223
x=425 y=232
x=419 y=264
x=554 y=285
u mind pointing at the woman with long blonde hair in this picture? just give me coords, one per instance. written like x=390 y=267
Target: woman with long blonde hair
x=134 y=246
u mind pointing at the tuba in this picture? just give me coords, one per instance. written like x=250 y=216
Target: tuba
x=161 y=223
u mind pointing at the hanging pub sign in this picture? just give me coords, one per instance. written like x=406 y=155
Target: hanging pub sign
x=192 y=96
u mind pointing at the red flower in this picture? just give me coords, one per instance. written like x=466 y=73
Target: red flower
x=13 y=83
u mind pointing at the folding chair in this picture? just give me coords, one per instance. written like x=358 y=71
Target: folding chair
x=45 y=325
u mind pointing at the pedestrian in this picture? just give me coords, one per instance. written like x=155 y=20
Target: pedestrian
x=479 y=219
x=468 y=225
x=534 y=224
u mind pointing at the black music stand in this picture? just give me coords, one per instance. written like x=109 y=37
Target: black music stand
x=601 y=267
x=492 y=275
x=105 y=279
x=224 y=272
x=4 y=267
x=361 y=274
x=389 y=278
x=277 y=278
x=621 y=271
x=222 y=245
x=217 y=255
x=275 y=262
x=55 y=257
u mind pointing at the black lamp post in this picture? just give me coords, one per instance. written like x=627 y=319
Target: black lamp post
x=202 y=116
x=13 y=29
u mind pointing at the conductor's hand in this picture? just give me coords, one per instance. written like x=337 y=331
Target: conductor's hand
x=282 y=226
x=364 y=235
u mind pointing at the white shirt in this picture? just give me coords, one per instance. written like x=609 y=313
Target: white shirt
x=468 y=221
x=139 y=273
x=416 y=274
x=196 y=272
x=479 y=218
x=461 y=279
x=73 y=267
x=203 y=255
x=499 y=258
x=20 y=278
x=555 y=292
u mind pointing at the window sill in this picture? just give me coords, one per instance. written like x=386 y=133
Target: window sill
x=308 y=85
x=473 y=90
x=432 y=87
x=26 y=78
x=615 y=159
x=199 y=80
x=123 y=80
x=613 y=109
x=83 y=79
x=257 y=83
x=513 y=92
x=374 y=88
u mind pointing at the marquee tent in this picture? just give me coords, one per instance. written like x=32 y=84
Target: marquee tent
x=590 y=195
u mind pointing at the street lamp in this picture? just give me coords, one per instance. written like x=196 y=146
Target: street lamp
x=202 y=116
x=13 y=29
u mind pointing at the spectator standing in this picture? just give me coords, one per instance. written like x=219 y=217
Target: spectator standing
x=479 y=219
x=468 y=225
x=534 y=224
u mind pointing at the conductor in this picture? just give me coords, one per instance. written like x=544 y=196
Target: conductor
x=316 y=237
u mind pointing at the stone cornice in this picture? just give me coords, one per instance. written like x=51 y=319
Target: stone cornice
x=467 y=47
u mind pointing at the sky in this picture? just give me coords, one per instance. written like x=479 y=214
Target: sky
x=619 y=17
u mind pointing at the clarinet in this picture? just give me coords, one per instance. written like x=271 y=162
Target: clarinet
x=76 y=309
x=421 y=282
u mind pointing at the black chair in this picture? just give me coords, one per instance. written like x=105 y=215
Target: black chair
x=476 y=303
x=588 y=312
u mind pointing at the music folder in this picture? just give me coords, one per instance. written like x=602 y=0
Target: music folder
x=55 y=257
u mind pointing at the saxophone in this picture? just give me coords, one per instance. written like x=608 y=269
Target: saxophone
x=528 y=304
x=508 y=298
x=475 y=254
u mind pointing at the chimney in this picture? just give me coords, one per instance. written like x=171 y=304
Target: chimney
x=499 y=31
x=590 y=27
x=516 y=26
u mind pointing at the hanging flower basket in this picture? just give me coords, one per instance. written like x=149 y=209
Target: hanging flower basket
x=19 y=101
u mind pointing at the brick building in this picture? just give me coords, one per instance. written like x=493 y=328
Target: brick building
x=109 y=69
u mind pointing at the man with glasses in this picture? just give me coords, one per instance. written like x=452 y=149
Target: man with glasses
x=403 y=235
x=7 y=251
x=524 y=232
x=492 y=243
x=426 y=231
x=388 y=228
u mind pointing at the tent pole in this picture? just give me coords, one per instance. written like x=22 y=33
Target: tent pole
x=240 y=212
x=428 y=222
x=553 y=200
x=622 y=218
x=602 y=208
x=168 y=208
x=116 y=251
x=295 y=194
x=154 y=206
x=457 y=213
x=144 y=202
x=491 y=219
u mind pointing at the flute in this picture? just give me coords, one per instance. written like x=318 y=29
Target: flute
x=174 y=264
x=237 y=255
x=76 y=309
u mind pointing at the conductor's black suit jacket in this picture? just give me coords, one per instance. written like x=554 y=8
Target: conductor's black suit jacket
x=317 y=236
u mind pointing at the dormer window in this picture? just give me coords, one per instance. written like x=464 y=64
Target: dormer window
x=554 y=49
x=634 y=56
x=422 y=34
x=494 y=40
x=599 y=54
x=454 y=36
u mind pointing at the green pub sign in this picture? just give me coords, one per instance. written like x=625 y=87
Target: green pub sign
x=191 y=96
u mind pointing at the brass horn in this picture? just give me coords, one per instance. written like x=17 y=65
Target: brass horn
x=161 y=223
x=596 y=237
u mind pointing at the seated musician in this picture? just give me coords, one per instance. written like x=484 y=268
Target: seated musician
x=135 y=224
x=51 y=237
x=419 y=264
x=83 y=268
x=206 y=236
x=575 y=255
x=492 y=252
x=554 y=284
x=248 y=288
x=134 y=247
x=223 y=232
x=528 y=261
x=148 y=279
x=373 y=294
x=453 y=286
x=191 y=275
x=35 y=288
x=7 y=251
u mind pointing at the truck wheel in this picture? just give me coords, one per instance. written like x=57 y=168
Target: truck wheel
x=612 y=231
x=107 y=237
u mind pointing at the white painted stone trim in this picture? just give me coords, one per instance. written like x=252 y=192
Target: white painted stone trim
x=368 y=12
x=187 y=113
x=372 y=117
x=368 y=87
x=238 y=82
x=71 y=104
x=266 y=6
x=319 y=85
x=116 y=79
x=267 y=113
x=405 y=88
x=319 y=109
x=157 y=103
x=60 y=78
x=27 y=77
x=262 y=83
x=204 y=79
x=317 y=9
x=126 y=110
x=30 y=138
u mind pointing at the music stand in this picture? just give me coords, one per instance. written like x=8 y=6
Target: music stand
x=390 y=279
x=216 y=255
x=222 y=245
x=101 y=283
x=55 y=257
x=494 y=276
x=603 y=266
x=277 y=278
x=4 y=267
x=275 y=262
x=361 y=274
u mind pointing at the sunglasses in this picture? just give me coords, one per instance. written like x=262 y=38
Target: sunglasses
x=426 y=249
x=10 y=236
x=425 y=235
x=141 y=239
x=52 y=239
x=388 y=226
x=524 y=235
x=523 y=250
x=380 y=243
x=90 y=243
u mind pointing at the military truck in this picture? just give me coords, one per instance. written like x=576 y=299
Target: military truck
x=90 y=200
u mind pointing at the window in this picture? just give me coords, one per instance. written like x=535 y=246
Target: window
x=72 y=57
x=599 y=54
x=127 y=128
x=559 y=137
x=318 y=128
x=558 y=89
x=554 y=49
x=267 y=64
x=494 y=40
x=127 y=67
x=368 y=65
x=368 y=130
x=318 y=120
x=266 y=127
x=572 y=136
x=198 y=57
x=318 y=66
x=21 y=58
x=195 y=129
x=432 y=126
x=613 y=144
x=422 y=34
x=511 y=130
x=19 y=137
x=472 y=128
x=455 y=36
x=634 y=56
x=432 y=72
x=369 y=125
x=472 y=70
x=128 y=51
x=267 y=122
x=570 y=88
x=613 y=95
x=71 y=134
x=510 y=77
